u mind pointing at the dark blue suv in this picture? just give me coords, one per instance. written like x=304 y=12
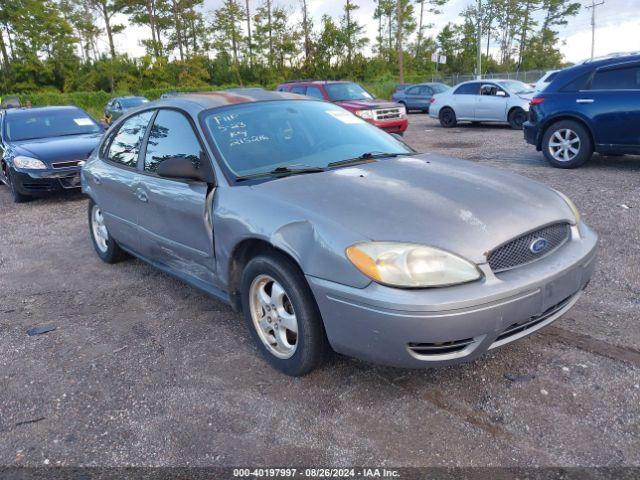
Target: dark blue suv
x=593 y=106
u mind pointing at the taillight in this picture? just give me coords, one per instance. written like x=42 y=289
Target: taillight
x=536 y=101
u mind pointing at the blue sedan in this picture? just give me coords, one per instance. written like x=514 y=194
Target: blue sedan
x=418 y=97
x=43 y=149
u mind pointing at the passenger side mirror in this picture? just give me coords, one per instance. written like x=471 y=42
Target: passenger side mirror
x=501 y=93
x=183 y=168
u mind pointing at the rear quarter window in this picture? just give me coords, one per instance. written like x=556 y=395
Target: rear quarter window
x=627 y=78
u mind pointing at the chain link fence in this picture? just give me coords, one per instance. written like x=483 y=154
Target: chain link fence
x=531 y=76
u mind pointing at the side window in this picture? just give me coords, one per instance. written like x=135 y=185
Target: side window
x=314 y=92
x=171 y=136
x=580 y=83
x=299 y=89
x=617 y=79
x=412 y=91
x=283 y=88
x=468 y=89
x=126 y=142
x=426 y=91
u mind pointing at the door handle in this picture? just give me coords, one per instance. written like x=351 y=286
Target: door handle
x=142 y=195
x=584 y=100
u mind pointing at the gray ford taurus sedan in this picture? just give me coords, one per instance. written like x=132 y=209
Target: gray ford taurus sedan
x=328 y=233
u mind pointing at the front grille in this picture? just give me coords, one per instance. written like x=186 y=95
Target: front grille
x=71 y=163
x=520 y=251
x=388 y=114
x=517 y=328
x=441 y=348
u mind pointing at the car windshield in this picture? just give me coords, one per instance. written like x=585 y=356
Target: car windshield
x=133 y=102
x=439 y=87
x=516 y=87
x=260 y=137
x=339 y=92
x=32 y=124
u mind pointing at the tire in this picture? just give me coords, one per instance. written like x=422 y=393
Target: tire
x=15 y=194
x=292 y=353
x=517 y=117
x=106 y=247
x=569 y=136
x=447 y=118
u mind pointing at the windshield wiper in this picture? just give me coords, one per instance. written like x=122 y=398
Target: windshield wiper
x=280 y=172
x=367 y=156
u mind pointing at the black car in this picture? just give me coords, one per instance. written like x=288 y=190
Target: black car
x=43 y=149
x=593 y=106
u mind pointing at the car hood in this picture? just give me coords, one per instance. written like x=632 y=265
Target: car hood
x=374 y=103
x=427 y=199
x=55 y=149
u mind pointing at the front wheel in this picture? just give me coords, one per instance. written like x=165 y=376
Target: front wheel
x=15 y=194
x=447 y=118
x=567 y=144
x=282 y=315
x=517 y=117
x=105 y=245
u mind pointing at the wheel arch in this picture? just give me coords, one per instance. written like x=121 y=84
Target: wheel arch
x=559 y=118
x=241 y=254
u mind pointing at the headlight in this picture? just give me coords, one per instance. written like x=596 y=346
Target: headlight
x=28 y=162
x=365 y=114
x=403 y=111
x=410 y=265
x=572 y=206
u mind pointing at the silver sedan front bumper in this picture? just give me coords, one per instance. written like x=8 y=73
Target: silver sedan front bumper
x=430 y=327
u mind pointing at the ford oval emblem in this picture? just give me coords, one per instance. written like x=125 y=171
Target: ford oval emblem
x=539 y=245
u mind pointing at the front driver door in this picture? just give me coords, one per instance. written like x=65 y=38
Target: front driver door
x=176 y=223
x=492 y=103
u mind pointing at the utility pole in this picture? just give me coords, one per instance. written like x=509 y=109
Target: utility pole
x=479 y=62
x=593 y=24
x=399 y=40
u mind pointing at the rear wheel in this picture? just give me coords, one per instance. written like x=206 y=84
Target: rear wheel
x=104 y=244
x=282 y=316
x=567 y=144
x=447 y=118
x=517 y=117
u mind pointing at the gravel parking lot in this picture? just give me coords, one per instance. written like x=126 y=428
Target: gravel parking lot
x=144 y=370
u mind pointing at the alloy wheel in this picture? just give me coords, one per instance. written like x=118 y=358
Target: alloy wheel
x=273 y=316
x=99 y=229
x=564 y=145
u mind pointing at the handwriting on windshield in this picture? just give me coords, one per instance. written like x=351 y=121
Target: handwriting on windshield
x=236 y=129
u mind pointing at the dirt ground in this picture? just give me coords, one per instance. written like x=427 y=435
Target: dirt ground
x=145 y=370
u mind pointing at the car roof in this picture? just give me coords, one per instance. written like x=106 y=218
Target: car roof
x=318 y=82
x=128 y=96
x=567 y=75
x=221 y=98
x=14 y=112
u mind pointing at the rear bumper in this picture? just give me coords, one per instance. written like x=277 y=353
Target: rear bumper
x=37 y=182
x=433 y=327
x=531 y=133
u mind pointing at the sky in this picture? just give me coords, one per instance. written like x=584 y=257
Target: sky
x=617 y=25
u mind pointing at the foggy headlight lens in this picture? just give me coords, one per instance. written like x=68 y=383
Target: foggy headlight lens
x=572 y=206
x=411 y=266
x=365 y=114
x=28 y=162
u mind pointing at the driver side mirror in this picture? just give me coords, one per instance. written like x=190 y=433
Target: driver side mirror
x=501 y=93
x=183 y=168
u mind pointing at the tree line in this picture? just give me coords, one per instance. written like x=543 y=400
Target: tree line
x=70 y=45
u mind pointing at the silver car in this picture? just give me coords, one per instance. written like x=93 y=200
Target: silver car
x=330 y=234
x=479 y=101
